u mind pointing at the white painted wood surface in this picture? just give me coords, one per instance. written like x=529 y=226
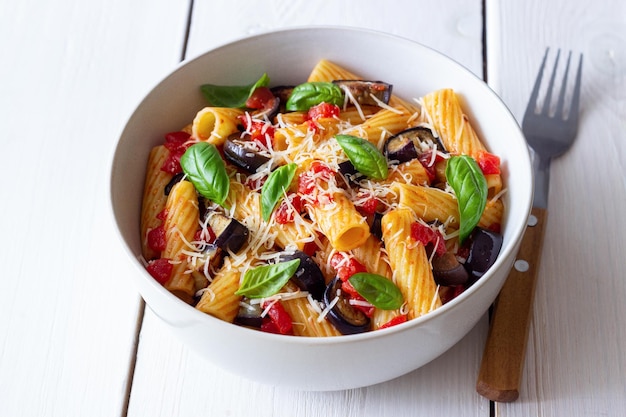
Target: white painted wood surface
x=71 y=73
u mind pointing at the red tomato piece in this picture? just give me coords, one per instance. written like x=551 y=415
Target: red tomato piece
x=259 y=130
x=206 y=235
x=279 y=317
x=346 y=265
x=394 y=321
x=318 y=172
x=156 y=239
x=489 y=163
x=322 y=111
x=310 y=248
x=177 y=143
x=369 y=206
x=426 y=159
x=261 y=98
x=286 y=212
x=425 y=235
x=160 y=269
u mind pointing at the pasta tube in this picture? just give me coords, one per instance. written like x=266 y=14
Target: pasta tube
x=412 y=272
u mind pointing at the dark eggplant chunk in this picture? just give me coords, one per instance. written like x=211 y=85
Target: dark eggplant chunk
x=350 y=173
x=175 y=180
x=282 y=92
x=410 y=144
x=448 y=271
x=345 y=318
x=484 y=249
x=308 y=276
x=400 y=148
x=376 y=228
x=230 y=234
x=244 y=158
x=249 y=315
x=363 y=91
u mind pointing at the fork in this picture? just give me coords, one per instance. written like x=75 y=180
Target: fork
x=549 y=134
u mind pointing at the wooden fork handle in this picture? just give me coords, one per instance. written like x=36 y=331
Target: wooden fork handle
x=503 y=359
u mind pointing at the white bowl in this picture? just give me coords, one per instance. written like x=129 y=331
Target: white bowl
x=288 y=56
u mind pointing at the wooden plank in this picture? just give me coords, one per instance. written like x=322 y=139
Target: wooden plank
x=71 y=73
x=170 y=380
x=575 y=362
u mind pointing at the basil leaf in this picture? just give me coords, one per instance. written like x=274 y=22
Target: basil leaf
x=234 y=96
x=267 y=280
x=377 y=290
x=204 y=166
x=274 y=188
x=365 y=157
x=307 y=95
x=470 y=186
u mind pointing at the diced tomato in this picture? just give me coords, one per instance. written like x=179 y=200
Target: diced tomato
x=286 y=212
x=394 y=321
x=160 y=269
x=310 y=248
x=368 y=207
x=259 y=130
x=346 y=265
x=206 y=235
x=177 y=143
x=427 y=235
x=323 y=110
x=261 y=98
x=268 y=326
x=156 y=239
x=279 y=317
x=489 y=163
x=317 y=174
x=426 y=159
x=162 y=215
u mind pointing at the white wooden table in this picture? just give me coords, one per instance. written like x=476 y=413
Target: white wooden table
x=75 y=338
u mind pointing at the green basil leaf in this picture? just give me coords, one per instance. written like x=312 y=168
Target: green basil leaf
x=234 y=96
x=379 y=291
x=365 y=157
x=267 y=280
x=470 y=186
x=274 y=188
x=204 y=167
x=307 y=95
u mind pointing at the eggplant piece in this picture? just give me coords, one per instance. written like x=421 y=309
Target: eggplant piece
x=376 y=228
x=363 y=91
x=249 y=315
x=411 y=143
x=448 y=271
x=308 y=276
x=246 y=159
x=484 y=248
x=345 y=318
x=175 y=180
x=282 y=92
x=231 y=235
x=350 y=173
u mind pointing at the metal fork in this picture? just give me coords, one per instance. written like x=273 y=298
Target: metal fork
x=549 y=134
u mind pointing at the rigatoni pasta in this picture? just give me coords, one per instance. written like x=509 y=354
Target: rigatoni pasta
x=327 y=208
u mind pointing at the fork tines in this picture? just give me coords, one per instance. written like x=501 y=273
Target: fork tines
x=572 y=114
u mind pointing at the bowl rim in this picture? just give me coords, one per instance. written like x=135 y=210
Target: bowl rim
x=504 y=255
